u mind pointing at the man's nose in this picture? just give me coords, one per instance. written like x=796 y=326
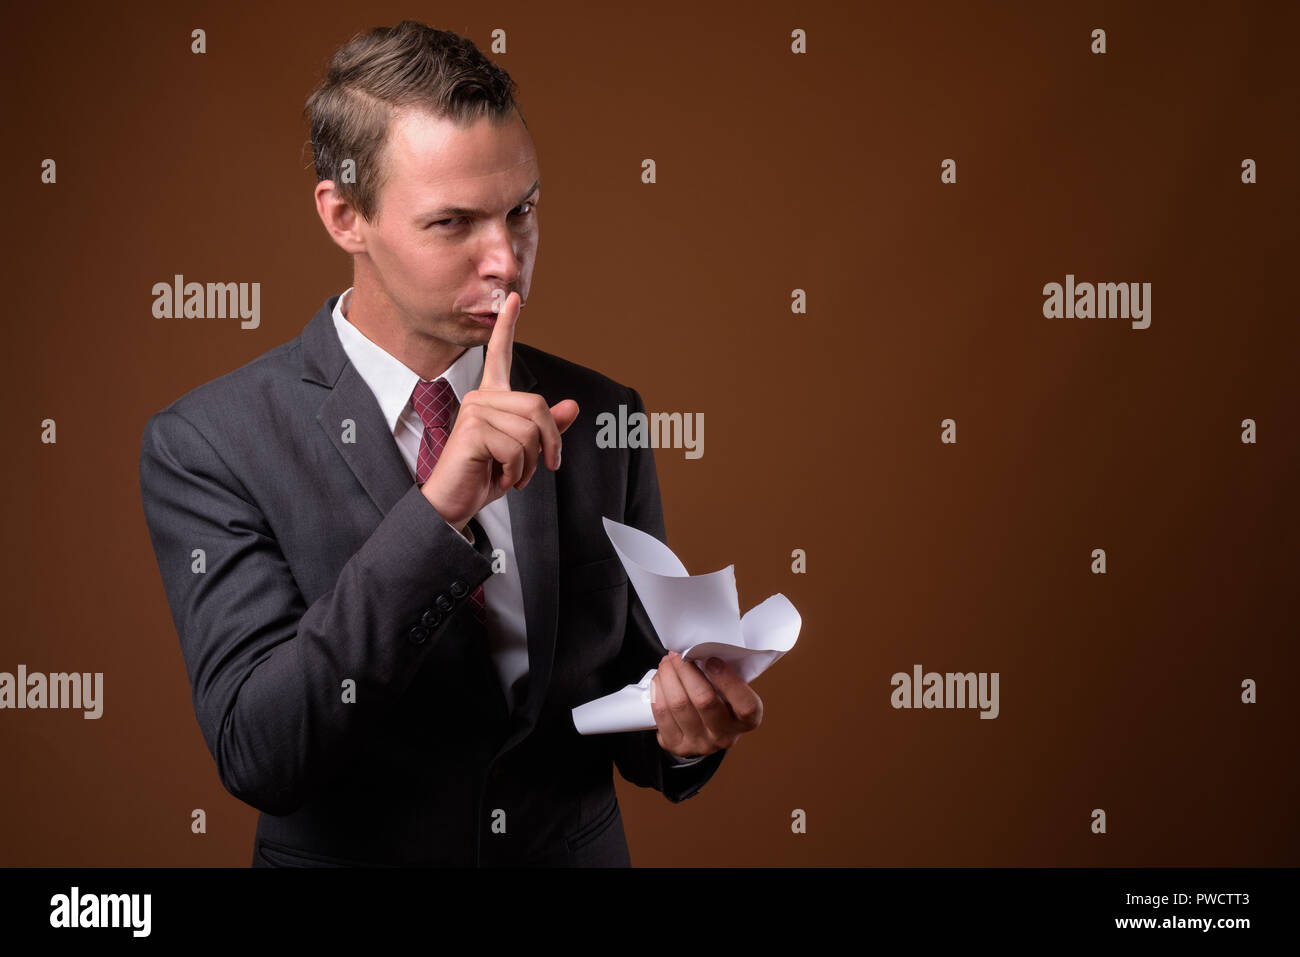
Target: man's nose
x=498 y=257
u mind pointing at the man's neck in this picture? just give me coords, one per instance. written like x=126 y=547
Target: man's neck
x=376 y=317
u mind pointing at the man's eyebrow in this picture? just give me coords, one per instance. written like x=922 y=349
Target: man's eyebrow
x=465 y=211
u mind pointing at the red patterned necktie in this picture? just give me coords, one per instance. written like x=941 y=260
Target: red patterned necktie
x=435 y=403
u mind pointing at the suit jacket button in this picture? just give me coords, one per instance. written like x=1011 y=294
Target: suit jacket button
x=431 y=619
x=418 y=635
x=443 y=602
x=458 y=589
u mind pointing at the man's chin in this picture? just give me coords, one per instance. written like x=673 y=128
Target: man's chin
x=476 y=337
x=477 y=332
x=463 y=331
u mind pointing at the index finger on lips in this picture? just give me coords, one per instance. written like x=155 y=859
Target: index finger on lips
x=496 y=364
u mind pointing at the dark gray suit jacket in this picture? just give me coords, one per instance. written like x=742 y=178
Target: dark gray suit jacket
x=322 y=562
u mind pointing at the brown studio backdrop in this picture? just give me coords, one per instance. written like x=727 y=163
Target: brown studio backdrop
x=775 y=172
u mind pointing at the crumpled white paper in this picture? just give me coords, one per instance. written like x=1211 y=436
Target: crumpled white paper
x=697 y=616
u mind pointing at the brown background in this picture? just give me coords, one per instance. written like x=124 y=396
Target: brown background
x=775 y=172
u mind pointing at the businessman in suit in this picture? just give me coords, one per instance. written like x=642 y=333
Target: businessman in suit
x=390 y=586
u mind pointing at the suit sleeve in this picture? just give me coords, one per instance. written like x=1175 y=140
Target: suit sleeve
x=637 y=754
x=266 y=671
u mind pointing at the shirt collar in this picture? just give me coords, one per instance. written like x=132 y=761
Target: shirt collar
x=388 y=377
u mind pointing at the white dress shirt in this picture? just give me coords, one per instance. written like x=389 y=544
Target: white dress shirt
x=392 y=384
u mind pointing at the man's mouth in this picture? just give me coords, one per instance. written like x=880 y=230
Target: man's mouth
x=485 y=318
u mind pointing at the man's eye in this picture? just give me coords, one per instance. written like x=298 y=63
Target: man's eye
x=514 y=212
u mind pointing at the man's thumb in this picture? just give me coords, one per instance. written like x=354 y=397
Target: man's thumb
x=564 y=413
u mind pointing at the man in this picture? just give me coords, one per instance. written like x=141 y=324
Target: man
x=389 y=588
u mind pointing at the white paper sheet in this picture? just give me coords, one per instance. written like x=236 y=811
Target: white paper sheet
x=697 y=616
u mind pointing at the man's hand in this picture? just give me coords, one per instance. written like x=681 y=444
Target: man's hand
x=694 y=719
x=498 y=434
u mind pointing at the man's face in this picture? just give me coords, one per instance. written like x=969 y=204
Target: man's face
x=455 y=223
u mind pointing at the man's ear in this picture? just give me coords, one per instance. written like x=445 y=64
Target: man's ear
x=341 y=221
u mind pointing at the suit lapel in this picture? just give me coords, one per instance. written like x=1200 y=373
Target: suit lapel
x=535 y=531
x=372 y=455
x=378 y=465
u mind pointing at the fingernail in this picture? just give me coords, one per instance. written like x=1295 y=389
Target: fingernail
x=714 y=665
